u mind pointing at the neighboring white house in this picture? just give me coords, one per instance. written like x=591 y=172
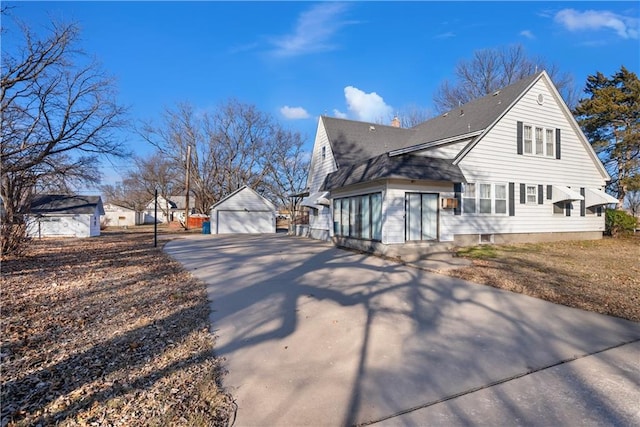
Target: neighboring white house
x=64 y=215
x=243 y=211
x=170 y=209
x=120 y=216
x=508 y=167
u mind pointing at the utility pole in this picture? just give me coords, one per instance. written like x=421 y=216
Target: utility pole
x=155 y=219
x=186 y=199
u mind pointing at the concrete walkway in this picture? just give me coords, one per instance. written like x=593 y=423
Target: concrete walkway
x=314 y=335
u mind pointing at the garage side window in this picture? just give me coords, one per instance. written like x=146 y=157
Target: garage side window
x=359 y=216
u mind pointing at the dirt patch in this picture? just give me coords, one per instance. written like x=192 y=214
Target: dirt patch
x=596 y=275
x=106 y=331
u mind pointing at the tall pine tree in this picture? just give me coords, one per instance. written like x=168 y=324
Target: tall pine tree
x=610 y=118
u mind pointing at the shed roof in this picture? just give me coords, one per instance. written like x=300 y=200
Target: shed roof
x=407 y=166
x=48 y=204
x=268 y=204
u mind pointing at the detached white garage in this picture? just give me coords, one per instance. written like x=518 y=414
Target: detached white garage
x=243 y=212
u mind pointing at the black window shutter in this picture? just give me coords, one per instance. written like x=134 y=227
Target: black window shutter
x=567 y=206
x=557 y=143
x=549 y=192
x=512 y=197
x=519 y=137
x=583 y=209
x=599 y=210
x=523 y=194
x=457 y=189
x=540 y=194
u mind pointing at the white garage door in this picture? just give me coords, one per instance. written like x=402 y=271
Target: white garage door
x=245 y=222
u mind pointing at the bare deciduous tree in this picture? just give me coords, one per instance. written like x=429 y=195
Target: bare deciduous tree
x=491 y=69
x=234 y=145
x=58 y=114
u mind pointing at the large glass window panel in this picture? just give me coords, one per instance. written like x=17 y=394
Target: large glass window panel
x=366 y=217
x=429 y=216
x=344 y=220
x=414 y=216
x=336 y=217
x=352 y=216
x=376 y=216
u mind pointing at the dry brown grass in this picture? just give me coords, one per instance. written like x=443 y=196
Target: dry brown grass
x=106 y=331
x=597 y=275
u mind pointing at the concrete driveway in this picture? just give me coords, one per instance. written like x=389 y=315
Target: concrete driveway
x=314 y=335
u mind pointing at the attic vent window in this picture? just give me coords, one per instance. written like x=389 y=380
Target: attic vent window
x=372 y=128
x=540 y=99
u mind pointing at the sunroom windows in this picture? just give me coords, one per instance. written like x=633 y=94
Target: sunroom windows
x=484 y=198
x=359 y=217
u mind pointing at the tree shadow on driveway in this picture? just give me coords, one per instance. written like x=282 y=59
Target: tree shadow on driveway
x=318 y=335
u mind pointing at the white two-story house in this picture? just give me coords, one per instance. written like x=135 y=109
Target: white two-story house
x=512 y=166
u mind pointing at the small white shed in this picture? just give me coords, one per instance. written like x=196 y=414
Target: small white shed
x=64 y=215
x=243 y=212
x=120 y=216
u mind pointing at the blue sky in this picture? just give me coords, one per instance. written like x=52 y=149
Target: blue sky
x=298 y=60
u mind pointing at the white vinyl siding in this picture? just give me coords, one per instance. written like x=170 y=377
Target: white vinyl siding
x=444 y=151
x=322 y=161
x=495 y=159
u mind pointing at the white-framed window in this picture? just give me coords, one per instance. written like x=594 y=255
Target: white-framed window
x=539 y=142
x=528 y=140
x=550 y=142
x=469 y=198
x=532 y=194
x=484 y=198
x=500 y=198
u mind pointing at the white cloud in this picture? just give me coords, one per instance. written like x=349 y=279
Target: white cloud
x=294 y=112
x=573 y=20
x=339 y=114
x=313 y=31
x=447 y=35
x=368 y=107
x=528 y=34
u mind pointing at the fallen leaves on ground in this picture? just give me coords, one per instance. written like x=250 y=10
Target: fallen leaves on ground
x=596 y=275
x=106 y=331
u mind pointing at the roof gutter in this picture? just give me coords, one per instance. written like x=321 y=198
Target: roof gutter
x=436 y=143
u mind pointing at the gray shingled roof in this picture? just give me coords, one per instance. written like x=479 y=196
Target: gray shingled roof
x=65 y=204
x=404 y=167
x=473 y=116
x=353 y=142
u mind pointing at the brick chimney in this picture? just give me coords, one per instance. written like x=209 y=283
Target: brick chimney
x=395 y=122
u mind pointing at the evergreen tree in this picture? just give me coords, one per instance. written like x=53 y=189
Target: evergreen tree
x=610 y=118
